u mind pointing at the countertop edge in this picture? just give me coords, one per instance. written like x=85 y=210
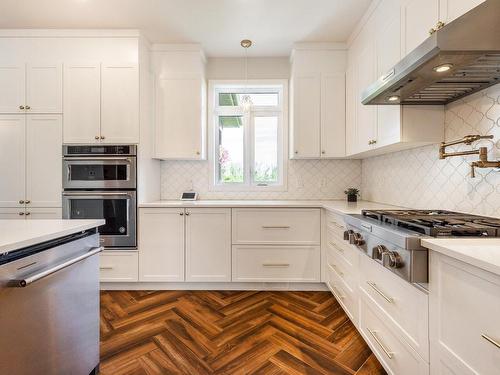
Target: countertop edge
x=30 y=241
x=433 y=245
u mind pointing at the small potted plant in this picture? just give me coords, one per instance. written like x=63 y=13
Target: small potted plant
x=352 y=194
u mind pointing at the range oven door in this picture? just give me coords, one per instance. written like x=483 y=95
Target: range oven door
x=99 y=172
x=117 y=208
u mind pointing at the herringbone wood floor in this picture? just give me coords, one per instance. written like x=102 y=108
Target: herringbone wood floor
x=181 y=332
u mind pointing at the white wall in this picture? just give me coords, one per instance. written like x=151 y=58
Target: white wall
x=417 y=178
x=307 y=179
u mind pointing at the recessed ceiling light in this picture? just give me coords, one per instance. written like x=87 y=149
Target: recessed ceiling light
x=393 y=98
x=443 y=68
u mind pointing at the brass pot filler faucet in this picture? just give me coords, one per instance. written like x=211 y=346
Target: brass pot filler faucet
x=483 y=161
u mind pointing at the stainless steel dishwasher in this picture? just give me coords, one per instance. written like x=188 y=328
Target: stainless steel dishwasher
x=49 y=307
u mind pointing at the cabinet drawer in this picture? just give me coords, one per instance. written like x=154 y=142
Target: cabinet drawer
x=276 y=226
x=349 y=253
x=464 y=317
x=335 y=224
x=393 y=353
x=344 y=270
x=403 y=304
x=347 y=297
x=276 y=263
x=118 y=266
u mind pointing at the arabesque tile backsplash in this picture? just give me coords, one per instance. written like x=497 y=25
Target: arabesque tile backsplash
x=413 y=178
x=416 y=178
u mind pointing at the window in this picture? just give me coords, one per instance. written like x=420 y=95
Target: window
x=248 y=135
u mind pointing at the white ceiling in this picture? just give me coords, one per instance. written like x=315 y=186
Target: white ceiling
x=218 y=25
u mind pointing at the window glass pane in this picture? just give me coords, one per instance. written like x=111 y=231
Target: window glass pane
x=266 y=149
x=258 y=99
x=230 y=149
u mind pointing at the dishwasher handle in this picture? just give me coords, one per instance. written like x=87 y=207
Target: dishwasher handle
x=41 y=275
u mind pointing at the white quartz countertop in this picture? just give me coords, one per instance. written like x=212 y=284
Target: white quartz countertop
x=16 y=234
x=339 y=206
x=483 y=253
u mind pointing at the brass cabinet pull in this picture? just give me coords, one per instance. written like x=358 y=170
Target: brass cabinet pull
x=375 y=288
x=323 y=152
x=440 y=25
x=21 y=213
x=276 y=265
x=103 y=137
x=96 y=137
x=432 y=31
x=28 y=107
x=106 y=268
x=21 y=107
x=28 y=202
x=187 y=213
x=340 y=250
x=275 y=227
x=21 y=202
x=28 y=213
x=387 y=352
x=491 y=340
x=336 y=269
x=337 y=292
x=181 y=213
x=197 y=152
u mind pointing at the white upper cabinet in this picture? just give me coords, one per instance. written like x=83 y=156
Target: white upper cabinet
x=180 y=102
x=317 y=105
x=451 y=9
x=119 y=103
x=43 y=161
x=12 y=88
x=31 y=88
x=101 y=103
x=208 y=244
x=13 y=160
x=306 y=117
x=44 y=88
x=180 y=118
x=419 y=17
x=82 y=103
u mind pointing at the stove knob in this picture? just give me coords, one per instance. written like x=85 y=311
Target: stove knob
x=356 y=239
x=348 y=234
x=392 y=259
x=379 y=251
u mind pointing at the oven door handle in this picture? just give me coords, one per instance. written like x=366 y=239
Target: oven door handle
x=41 y=275
x=102 y=160
x=68 y=194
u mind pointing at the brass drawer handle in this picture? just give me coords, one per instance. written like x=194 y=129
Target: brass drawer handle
x=275 y=227
x=490 y=340
x=375 y=288
x=336 y=269
x=340 y=250
x=276 y=265
x=106 y=268
x=337 y=292
x=387 y=352
x=336 y=225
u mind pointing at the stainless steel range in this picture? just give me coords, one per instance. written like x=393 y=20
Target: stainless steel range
x=393 y=237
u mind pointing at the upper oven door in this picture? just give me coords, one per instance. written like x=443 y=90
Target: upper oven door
x=117 y=208
x=99 y=173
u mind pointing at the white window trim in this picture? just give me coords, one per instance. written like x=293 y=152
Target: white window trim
x=213 y=137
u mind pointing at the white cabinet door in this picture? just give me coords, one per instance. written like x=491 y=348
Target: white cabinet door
x=12 y=160
x=464 y=313
x=161 y=244
x=44 y=88
x=53 y=213
x=12 y=88
x=333 y=115
x=180 y=124
x=208 y=244
x=119 y=103
x=43 y=160
x=419 y=16
x=366 y=120
x=388 y=54
x=451 y=9
x=82 y=103
x=12 y=213
x=306 y=117
x=350 y=109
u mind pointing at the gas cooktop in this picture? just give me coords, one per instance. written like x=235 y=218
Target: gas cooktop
x=438 y=223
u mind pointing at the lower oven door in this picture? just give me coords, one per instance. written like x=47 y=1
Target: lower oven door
x=117 y=208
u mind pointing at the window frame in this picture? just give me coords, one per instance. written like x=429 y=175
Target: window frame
x=281 y=111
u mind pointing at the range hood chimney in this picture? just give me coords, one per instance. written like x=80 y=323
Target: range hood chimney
x=457 y=60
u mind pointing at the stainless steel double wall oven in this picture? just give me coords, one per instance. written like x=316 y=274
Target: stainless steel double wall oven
x=100 y=182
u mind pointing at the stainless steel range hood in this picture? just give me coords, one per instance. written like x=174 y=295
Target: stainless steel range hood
x=469 y=47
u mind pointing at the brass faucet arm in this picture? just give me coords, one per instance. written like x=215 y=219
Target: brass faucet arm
x=468 y=139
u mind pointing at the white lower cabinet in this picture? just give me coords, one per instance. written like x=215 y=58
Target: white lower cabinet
x=393 y=352
x=208 y=244
x=118 y=266
x=464 y=318
x=252 y=263
x=161 y=244
x=9 y=213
